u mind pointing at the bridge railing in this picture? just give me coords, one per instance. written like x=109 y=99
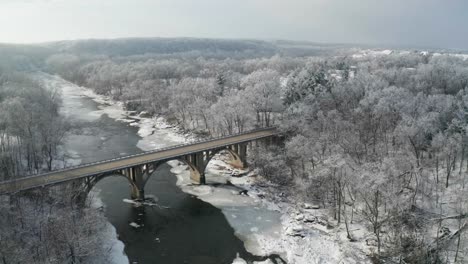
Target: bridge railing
x=200 y=141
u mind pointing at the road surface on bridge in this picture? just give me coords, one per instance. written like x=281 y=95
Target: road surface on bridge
x=90 y=169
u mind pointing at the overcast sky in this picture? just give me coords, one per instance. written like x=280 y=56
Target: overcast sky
x=431 y=23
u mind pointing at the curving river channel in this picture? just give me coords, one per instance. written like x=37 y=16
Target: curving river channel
x=182 y=229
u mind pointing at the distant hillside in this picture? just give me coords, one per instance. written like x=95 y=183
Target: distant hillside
x=23 y=57
x=32 y=56
x=164 y=47
x=138 y=46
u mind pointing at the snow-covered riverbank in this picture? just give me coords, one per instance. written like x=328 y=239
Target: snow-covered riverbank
x=112 y=245
x=263 y=224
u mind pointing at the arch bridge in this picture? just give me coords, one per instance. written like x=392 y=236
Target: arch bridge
x=138 y=168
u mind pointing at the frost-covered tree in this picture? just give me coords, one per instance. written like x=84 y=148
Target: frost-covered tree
x=263 y=91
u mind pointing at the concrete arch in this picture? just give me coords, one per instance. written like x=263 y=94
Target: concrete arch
x=90 y=182
x=236 y=160
x=198 y=162
x=195 y=174
x=135 y=176
x=148 y=170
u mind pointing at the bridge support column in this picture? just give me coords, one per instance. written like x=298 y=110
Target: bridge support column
x=137 y=194
x=243 y=153
x=267 y=142
x=238 y=155
x=195 y=163
x=135 y=174
x=199 y=163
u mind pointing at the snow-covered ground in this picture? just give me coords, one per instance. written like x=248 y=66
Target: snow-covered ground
x=371 y=53
x=461 y=56
x=112 y=245
x=376 y=53
x=265 y=225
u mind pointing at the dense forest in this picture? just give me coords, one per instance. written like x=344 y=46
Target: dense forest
x=31 y=128
x=378 y=139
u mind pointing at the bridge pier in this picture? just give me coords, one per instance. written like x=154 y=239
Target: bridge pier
x=138 y=188
x=243 y=154
x=198 y=162
x=137 y=182
x=238 y=154
x=137 y=194
x=195 y=163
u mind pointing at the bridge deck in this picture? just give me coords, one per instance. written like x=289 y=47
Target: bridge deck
x=86 y=170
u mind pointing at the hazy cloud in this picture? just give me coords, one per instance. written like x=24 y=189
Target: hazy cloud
x=407 y=22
